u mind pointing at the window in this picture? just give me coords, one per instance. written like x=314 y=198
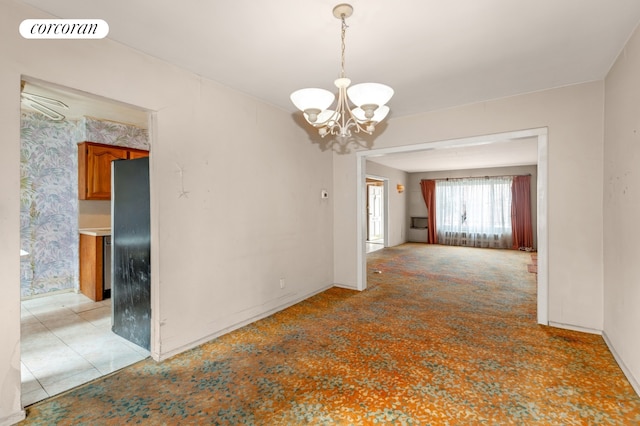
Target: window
x=474 y=212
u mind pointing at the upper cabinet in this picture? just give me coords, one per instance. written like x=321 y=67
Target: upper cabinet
x=137 y=153
x=94 y=168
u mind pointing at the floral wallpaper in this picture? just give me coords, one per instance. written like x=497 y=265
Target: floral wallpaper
x=112 y=133
x=49 y=204
x=49 y=195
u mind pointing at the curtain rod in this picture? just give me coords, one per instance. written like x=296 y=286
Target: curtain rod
x=476 y=177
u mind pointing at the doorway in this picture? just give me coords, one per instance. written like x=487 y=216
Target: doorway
x=376 y=217
x=540 y=134
x=66 y=338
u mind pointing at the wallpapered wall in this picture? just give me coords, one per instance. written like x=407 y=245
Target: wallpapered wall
x=49 y=195
x=111 y=133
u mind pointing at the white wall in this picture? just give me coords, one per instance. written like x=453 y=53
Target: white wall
x=417 y=206
x=574 y=118
x=622 y=209
x=397 y=202
x=250 y=212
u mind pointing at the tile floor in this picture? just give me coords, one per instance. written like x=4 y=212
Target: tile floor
x=374 y=246
x=67 y=341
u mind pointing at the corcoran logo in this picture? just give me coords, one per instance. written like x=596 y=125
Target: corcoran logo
x=64 y=28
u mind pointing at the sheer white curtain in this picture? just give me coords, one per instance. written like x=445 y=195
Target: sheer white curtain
x=474 y=212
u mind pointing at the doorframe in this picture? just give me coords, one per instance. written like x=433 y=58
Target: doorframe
x=542 y=229
x=385 y=206
x=151 y=116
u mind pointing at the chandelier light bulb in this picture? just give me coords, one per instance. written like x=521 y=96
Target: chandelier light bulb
x=322 y=117
x=312 y=114
x=370 y=99
x=369 y=109
x=378 y=115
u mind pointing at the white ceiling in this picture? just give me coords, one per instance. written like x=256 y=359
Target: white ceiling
x=502 y=153
x=435 y=54
x=82 y=104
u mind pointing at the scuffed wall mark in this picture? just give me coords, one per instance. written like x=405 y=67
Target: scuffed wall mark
x=626 y=180
x=182 y=192
x=619 y=183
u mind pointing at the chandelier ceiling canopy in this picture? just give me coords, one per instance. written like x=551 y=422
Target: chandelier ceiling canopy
x=359 y=107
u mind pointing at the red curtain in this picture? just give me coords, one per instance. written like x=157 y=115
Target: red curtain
x=429 y=193
x=521 y=212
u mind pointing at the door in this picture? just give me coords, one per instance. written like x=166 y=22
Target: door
x=131 y=269
x=376 y=209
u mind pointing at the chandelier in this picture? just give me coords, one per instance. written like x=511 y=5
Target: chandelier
x=368 y=99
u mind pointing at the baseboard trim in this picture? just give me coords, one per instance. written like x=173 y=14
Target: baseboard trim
x=575 y=328
x=625 y=370
x=13 y=418
x=346 y=287
x=240 y=324
x=50 y=293
x=632 y=380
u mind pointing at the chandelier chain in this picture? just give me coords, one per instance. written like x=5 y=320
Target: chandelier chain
x=357 y=111
x=344 y=31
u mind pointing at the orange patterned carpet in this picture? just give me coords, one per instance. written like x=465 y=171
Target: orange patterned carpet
x=443 y=335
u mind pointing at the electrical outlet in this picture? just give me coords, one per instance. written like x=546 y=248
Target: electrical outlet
x=282 y=283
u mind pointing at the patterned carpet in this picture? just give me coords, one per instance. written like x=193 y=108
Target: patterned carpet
x=443 y=335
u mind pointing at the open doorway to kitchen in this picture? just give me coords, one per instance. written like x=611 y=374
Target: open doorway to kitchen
x=66 y=310
x=376 y=213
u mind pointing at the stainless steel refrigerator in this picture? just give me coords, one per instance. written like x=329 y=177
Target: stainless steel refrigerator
x=131 y=242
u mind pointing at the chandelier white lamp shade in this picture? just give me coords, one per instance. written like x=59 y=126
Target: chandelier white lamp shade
x=359 y=107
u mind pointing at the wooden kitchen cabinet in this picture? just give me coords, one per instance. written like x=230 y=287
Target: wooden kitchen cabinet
x=91 y=266
x=94 y=168
x=137 y=153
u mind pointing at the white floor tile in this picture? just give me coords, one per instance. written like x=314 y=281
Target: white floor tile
x=105 y=302
x=118 y=357
x=39 y=342
x=81 y=307
x=61 y=321
x=46 y=364
x=139 y=349
x=99 y=317
x=72 y=329
x=54 y=373
x=67 y=341
x=26 y=317
x=50 y=300
x=372 y=246
x=29 y=381
x=70 y=382
x=98 y=341
x=45 y=313
x=84 y=304
x=38 y=301
x=33 y=396
x=71 y=298
x=33 y=329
